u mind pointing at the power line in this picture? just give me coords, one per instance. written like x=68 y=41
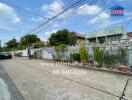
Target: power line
x=27 y=11
x=71 y=14
x=62 y=12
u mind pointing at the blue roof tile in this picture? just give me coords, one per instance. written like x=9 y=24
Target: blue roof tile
x=117 y=7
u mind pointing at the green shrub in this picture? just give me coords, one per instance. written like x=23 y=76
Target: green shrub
x=60 y=49
x=98 y=55
x=83 y=54
x=109 y=58
x=122 y=55
x=75 y=57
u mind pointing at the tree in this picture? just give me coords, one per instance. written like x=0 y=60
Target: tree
x=20 y=46
x=28 y=39
x=12 y=44
x=98 y=55
x=122 y=55
x=72 y=38
x=83 y=54
x=62 y=37
x=38 y=45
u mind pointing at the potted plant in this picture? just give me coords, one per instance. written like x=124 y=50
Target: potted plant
x=122 y=58
x=109 y=60
x=98 y=56
x=83 y=54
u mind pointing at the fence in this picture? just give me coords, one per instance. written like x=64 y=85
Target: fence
x=48 y=52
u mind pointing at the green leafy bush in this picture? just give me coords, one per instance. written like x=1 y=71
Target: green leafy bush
x=75 y=57
x=60 y=51
x=83 y=54
x=109 y=59
x=98 y=55
x=122 y=55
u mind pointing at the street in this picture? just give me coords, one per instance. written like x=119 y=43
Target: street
x=38 y=80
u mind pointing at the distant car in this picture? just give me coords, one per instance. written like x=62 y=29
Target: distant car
x=5 y=55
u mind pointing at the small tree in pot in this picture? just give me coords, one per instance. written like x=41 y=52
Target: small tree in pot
x=109 y=60
x=83 y=54
x=123 y=58
x=98 y=56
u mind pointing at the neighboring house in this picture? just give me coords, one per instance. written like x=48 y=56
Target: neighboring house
x=80 y=38
x=45 y=42
x=107 y=35
x=129 y=36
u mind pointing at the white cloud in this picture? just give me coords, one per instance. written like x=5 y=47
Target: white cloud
x=9 y=12
x=53 y=8
x=36 y=19
x=128 y=15
x=103 y=17
x=50 y=32
x=46 y=35
x=90 y=10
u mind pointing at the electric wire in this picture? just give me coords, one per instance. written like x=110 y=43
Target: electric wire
x=62 y=12
x=68 y=16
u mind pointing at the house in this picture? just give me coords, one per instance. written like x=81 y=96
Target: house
x=80 y=38
x=45 y=42
x=106 y=35
x=129 y=36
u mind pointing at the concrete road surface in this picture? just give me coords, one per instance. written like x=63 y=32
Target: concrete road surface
x=39 y=80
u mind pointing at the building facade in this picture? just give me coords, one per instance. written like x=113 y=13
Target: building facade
x=111 y=39
x=80 y=38
x=106 y=35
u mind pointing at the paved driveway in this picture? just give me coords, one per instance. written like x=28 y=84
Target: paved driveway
x=38 y=80
x=8 y=90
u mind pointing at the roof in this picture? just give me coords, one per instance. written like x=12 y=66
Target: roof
x=117 y=7
x=129 y=34
x=80 y=35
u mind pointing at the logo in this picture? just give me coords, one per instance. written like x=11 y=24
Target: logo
x=117 y=11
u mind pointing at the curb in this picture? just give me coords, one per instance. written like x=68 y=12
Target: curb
x=104 y=70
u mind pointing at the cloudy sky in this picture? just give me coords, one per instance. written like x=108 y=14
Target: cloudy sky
x=15 y=22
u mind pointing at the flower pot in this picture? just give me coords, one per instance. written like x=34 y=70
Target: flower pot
x=96 y=64
x=122 y=68
x=110 y=66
